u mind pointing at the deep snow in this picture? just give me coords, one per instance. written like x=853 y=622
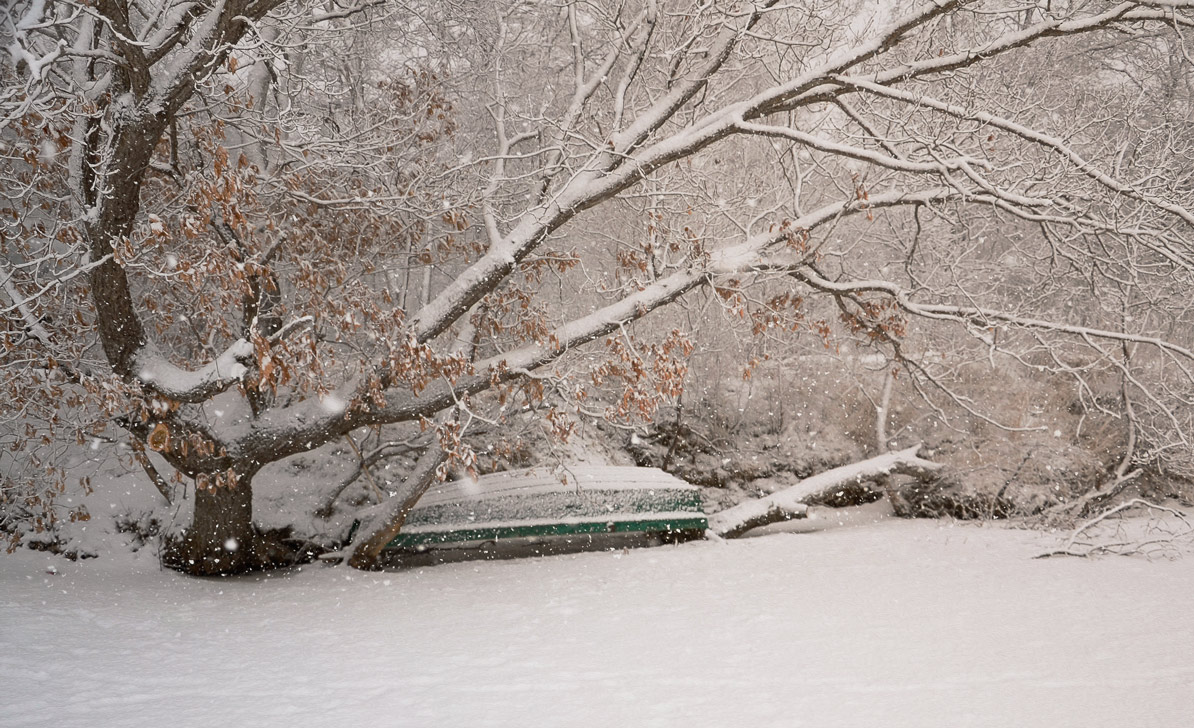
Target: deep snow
x=893 y=623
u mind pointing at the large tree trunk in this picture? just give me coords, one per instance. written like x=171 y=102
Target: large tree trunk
x=789 y=502
x=221 y=539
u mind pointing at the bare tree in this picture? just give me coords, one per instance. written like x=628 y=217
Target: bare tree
x=272 y=250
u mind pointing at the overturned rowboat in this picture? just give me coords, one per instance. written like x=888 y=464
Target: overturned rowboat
x=590 y=506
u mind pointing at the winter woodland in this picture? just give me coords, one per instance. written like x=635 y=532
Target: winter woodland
x=239 y=233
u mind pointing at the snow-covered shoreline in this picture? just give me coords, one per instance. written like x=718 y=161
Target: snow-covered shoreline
x=895 y=623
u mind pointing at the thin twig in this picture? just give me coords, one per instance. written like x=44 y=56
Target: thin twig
x=1124 y=547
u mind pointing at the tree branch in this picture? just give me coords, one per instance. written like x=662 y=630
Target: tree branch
x=790 y=502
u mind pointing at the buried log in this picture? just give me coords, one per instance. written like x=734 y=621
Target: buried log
x=789 y=503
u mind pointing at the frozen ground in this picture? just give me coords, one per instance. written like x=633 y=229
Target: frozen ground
x=884 y=624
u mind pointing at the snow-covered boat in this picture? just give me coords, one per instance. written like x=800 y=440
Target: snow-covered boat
x=537 y=504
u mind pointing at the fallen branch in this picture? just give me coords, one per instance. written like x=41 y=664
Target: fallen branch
x=1156 y=536
x=1070 y=511
x=790 y=502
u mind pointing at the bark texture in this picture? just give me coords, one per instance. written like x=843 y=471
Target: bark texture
x=221 y=539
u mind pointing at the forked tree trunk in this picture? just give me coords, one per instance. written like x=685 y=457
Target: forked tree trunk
x=221 y=539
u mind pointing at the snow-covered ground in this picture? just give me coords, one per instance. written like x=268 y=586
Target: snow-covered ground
x=893 y=623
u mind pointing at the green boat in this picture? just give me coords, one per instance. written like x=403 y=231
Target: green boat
x=587 y=506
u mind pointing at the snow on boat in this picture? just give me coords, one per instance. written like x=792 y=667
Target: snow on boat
x=534 y=504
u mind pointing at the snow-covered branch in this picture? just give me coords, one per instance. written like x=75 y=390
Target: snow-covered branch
x=182 y=385
x=790 y=502
x=1025 y=132
x=863 y=155
x=817 y=84
x=982 y=317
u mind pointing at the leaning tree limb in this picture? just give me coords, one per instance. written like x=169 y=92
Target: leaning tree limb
x=789 y=503
x=389 y=517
